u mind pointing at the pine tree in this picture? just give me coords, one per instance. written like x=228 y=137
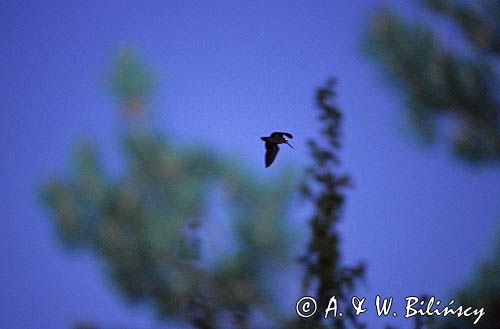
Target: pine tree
x=440 y=83
x=147 y=223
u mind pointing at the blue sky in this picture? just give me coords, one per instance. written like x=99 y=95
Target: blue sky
x=420 y=219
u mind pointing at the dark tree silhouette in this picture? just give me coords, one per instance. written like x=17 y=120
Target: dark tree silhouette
x=324 y=187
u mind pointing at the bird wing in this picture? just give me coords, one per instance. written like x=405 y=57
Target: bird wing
x=271 y=151
x=281 y=134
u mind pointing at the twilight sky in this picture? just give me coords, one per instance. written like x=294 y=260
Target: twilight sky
x=420 y=219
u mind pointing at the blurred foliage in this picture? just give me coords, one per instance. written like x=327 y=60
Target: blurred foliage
x=131 y=81
x=149 y=223
x=483 y=291
x=445 y=84
x=441 y=83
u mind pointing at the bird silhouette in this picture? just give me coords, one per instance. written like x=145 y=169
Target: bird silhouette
x=272 y=143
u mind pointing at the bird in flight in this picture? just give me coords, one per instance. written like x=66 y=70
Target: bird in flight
x=272 y=147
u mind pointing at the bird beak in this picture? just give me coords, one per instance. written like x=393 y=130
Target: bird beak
x=289 y=144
